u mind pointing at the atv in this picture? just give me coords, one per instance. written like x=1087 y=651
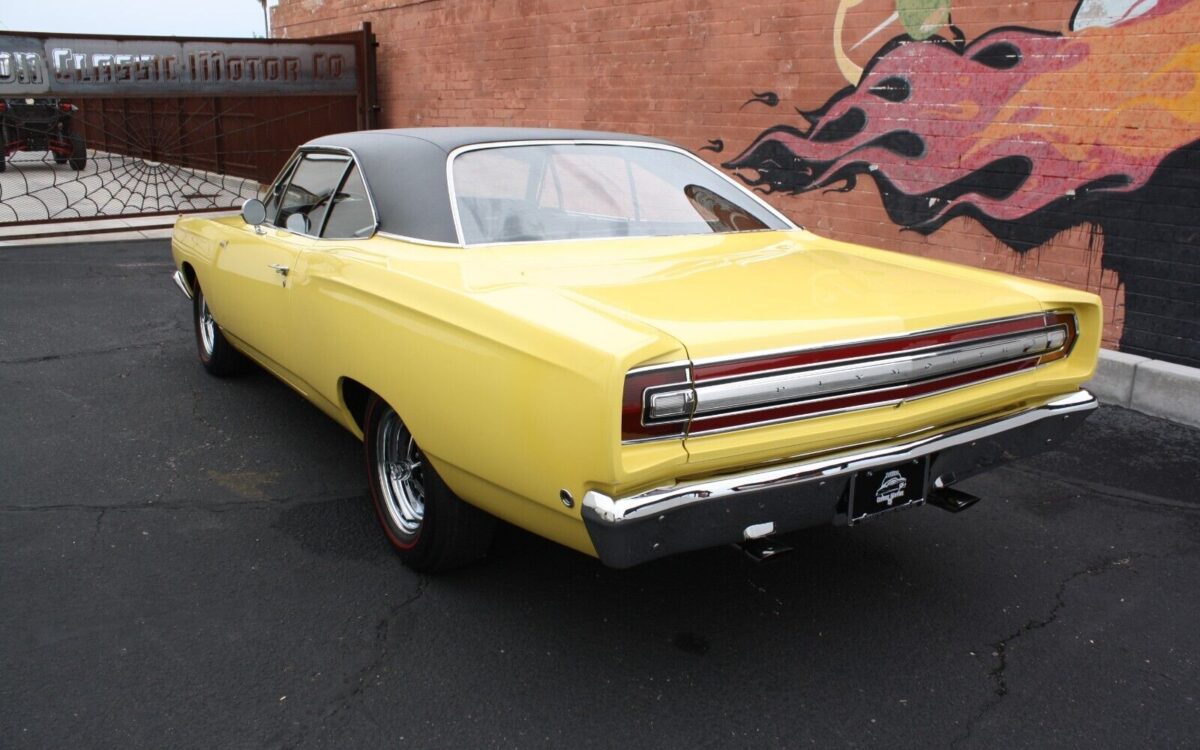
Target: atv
x=41 y=124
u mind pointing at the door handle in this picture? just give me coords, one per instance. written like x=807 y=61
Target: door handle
x=282 y=270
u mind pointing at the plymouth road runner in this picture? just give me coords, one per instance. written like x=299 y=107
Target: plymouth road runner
x=602 y=339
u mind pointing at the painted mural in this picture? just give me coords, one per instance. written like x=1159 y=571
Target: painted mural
x=1029 y=132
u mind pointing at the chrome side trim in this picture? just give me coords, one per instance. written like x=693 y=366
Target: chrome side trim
x=181 y=282
x=416 y=240
x=788 y=223
x=611 y=511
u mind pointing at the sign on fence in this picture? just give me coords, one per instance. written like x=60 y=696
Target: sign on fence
x=79 y=66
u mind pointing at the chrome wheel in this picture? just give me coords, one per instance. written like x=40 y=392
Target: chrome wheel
x=400 y=469
x=208 y=327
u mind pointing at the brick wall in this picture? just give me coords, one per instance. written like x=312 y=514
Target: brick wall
x=1056 y=139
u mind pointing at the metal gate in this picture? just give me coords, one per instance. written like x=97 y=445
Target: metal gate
x=98 y=128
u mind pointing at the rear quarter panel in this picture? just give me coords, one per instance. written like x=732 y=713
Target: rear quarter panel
x=513 y=391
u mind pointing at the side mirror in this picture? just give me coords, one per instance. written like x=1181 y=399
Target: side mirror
x=297 y=223
x=254 y=212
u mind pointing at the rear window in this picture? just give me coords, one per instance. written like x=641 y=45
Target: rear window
x=529 y=193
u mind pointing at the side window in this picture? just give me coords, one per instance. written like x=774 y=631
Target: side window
x=313 y=184
x=350 y=213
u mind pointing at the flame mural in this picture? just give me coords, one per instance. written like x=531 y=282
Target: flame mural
x=1027 y=131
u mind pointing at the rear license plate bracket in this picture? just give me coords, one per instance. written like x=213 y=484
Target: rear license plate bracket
x=876 y=491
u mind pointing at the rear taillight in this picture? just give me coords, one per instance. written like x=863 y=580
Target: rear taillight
x=66 y=107
x=657 y=403
x=669 y=401
x=1062 y=326
x=3 y=107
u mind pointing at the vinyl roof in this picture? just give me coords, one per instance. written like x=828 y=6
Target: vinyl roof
x=405 y=169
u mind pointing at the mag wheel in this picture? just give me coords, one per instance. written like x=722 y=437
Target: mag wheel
x=430 y=527
x=216 y=353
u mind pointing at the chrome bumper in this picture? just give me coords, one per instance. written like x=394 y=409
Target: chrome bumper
x=181 y=282
x=719 y=510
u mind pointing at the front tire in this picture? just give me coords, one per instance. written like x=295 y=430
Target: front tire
x=430 y=527
x=216 y=353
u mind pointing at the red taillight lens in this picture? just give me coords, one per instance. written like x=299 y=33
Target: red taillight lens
x=3 y=107
x=65 y=107
x=1063 y=320
x=669 y=389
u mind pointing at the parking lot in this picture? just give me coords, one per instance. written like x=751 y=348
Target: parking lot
x=190 y=562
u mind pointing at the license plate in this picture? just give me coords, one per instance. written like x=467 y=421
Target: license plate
x=887 y=488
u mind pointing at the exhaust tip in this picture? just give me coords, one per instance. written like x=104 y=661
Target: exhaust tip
x=951 y=500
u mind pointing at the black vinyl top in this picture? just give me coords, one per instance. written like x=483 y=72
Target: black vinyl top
x=405 y=169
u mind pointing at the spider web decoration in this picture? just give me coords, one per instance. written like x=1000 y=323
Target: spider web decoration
x=156 y=157
x=35 y=188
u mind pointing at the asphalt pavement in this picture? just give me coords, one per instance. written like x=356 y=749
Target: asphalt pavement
x=187 y=562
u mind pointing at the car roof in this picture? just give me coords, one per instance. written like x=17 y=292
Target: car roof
x=405 y=169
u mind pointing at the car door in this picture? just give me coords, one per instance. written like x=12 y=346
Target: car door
x=351 y=218
x=258 y=264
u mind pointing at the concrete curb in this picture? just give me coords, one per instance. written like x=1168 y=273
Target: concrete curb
x=1151 y=386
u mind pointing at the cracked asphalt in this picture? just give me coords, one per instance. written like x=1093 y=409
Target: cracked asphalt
x=193 y=563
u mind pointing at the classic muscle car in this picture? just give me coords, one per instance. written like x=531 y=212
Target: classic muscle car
x=602 y=339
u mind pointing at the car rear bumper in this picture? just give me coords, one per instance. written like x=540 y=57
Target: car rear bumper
x=810 y=492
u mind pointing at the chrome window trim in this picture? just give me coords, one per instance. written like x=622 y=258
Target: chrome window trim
x=416 y=240
x=789 y=225
x=354 y=161
x=286 y=171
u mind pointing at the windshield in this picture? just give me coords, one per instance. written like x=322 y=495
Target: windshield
x=575 y=191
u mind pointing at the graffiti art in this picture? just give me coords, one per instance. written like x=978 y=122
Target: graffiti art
x=1029 y=132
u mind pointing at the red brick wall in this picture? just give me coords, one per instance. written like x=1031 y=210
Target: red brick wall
x=689 y=70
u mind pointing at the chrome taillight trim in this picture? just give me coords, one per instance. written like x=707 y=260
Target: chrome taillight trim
x=891 y=377
x=884 y=397
x=816 y=382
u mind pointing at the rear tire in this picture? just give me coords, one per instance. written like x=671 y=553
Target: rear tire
x=78 y=152
x=431 y=528
x=216 y=353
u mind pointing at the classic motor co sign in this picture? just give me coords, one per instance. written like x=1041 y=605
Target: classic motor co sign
x=75 y=66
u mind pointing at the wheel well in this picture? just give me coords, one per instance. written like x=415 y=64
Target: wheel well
x=189 y=275
x=355 y=396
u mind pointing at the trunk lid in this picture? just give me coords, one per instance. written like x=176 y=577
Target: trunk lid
x=725 y=295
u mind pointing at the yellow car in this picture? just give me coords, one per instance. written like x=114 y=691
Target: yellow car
x=602 y=339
